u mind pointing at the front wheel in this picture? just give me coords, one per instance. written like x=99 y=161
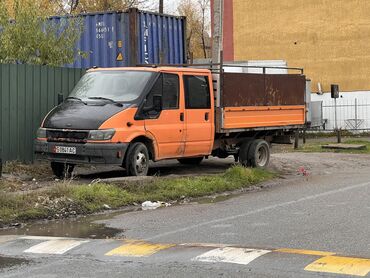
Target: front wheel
x=259 y=153
x=137 y=160
x=62 y=170
x=190 y=160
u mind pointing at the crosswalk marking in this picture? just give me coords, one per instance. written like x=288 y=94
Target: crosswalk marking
x=328 y=262
x=137 y=248
x=304 y=252
x=231 y=255
x=341 y=265
x=58 y=246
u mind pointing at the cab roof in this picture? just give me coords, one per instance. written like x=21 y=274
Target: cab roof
x=154 y=69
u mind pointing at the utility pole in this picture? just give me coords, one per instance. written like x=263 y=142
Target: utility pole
x=217 y=35
x=161 y=6
x=217 y=43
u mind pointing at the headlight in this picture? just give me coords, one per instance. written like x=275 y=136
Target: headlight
x=41 y=133
x=104 y=134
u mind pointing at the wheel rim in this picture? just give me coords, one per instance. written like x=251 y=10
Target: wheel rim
x=262 y=156
x=141 y=162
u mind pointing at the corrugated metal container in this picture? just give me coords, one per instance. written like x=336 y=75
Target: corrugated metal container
x=116 y=39
x=27 y=94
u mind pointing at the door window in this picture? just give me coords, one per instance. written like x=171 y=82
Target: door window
x=170 y=96
x=167 y=86
x=197 y=95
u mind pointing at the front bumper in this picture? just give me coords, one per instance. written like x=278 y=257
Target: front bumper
x=89 y=153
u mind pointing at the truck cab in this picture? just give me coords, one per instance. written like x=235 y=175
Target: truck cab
x=129 y=116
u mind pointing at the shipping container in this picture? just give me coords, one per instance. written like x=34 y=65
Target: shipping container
x=117 y=39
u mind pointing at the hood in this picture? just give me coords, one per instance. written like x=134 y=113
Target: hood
x=77 y=115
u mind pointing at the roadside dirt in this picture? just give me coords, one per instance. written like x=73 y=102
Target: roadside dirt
x=283 y=161
x=318 y=163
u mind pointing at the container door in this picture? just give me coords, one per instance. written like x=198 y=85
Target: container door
x=198 y=115
x=167 y=126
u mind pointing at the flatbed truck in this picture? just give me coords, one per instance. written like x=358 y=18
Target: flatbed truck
x=129 y=116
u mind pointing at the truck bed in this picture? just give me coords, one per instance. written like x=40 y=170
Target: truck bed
x=261 y=101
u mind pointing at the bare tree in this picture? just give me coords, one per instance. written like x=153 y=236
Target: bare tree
x=85 y=6
x=197 y=39
x=204 y=6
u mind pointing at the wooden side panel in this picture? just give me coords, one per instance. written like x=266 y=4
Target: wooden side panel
x=263 y=116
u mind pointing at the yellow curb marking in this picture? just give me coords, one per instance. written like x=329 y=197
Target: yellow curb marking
x=304 y=252
x=341 y=265
x=137 y=248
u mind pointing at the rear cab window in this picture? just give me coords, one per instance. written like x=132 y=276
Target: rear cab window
x=197 y=94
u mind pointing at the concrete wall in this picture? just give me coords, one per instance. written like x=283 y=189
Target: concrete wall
x=329 y=38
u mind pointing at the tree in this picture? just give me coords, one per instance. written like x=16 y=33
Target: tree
x=85 y=6
x=197 y=40
x=31 y=38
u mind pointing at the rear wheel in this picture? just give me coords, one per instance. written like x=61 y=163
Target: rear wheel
x=137 y=160
x=191 y=160
x=259 y=154
x=62 y=170
x=244 y=153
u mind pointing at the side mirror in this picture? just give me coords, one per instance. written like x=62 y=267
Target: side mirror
x=60 y=98
x=157 y=103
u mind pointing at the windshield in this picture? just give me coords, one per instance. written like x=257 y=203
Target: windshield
x=121 y=86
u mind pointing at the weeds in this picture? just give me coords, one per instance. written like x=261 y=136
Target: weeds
x=66 y=199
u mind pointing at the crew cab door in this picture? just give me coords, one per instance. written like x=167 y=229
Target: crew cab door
x=167 y=126
x=199 y=117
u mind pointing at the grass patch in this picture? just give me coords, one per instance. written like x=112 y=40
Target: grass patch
x=67 y=199
x=316 y=147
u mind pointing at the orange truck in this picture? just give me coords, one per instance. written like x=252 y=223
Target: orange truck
x=129 y=116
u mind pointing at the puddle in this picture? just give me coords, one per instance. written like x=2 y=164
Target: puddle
x=6 y=262
x=81 y=227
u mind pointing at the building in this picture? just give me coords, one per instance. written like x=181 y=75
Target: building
x=330 y=39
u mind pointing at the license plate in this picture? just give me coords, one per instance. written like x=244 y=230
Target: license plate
x=66 y=150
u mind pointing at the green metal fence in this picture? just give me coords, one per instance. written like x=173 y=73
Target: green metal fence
x=27 y=93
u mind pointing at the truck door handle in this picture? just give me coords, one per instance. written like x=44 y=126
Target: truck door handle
x=181 y=116
x=206 y=116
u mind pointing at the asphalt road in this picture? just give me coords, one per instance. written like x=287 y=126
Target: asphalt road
x=297 y=226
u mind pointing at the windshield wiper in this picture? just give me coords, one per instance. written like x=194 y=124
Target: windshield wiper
x=109 y=99
x=76 y=98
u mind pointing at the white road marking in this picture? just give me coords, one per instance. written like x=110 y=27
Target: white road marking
x=272 y=207
x=44 y=237
x=212 y=245
x=57 y=246
x=222 y=226
x=4 y=239
x=231 y=255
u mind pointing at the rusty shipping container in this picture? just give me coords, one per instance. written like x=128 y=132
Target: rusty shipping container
x=117 y=39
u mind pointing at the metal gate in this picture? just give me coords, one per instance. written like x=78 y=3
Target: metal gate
x=27 y=93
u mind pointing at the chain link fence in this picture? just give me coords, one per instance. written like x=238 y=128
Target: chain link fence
x=351 y=114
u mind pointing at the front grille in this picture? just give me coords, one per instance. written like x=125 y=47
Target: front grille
x=67 y=136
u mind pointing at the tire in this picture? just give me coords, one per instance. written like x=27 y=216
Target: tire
x=62 y=170
x=244 y=154
x=191 y=160
x=259 y=154
x=137 y=160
